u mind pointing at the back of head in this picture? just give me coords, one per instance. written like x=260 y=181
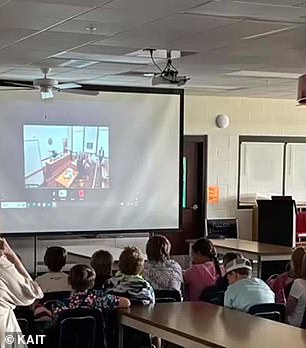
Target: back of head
x=131 y=261
x=206 y=248
x=228 y=257
x=303 y=268
x=102 y=262
x=158 y=248
x=82 y=277
x=55 y=258
x=296 y=261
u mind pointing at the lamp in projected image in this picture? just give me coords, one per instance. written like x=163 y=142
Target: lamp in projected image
x=46 y=92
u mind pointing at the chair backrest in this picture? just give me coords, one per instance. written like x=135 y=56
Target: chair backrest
x=74 y=327
x=24 y=326
x=163 y=296
x=303 y=324
x=77 y=332
x=274 y=311
x=25 y=318
x=56 y=295
x=213 y=296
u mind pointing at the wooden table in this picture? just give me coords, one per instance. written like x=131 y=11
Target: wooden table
x=200 y=325
x=251 y=250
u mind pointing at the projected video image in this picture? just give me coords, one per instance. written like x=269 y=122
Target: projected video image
x=66 y=156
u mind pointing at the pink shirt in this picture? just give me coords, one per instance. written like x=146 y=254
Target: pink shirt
x=197 y=278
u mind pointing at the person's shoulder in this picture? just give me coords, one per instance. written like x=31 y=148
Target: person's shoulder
x=174 y=264
x=299 y=282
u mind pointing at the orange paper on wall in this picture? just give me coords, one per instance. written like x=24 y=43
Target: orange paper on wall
x=213 y=194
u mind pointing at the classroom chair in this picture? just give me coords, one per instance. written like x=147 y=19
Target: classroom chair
x=56 y=295
x=164 y=296
x=25 y=318
x=78 y=328
x=303 y=325
x=212 y=296
x=272 y=311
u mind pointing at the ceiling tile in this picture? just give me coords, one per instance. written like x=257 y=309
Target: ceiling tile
x=240 y=9
x=57 y=41
x=163 y=31
x=80 y=26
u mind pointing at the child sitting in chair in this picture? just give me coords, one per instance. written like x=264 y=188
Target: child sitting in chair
x=129 y=281
x=244 y=291
x=54 y=280
x=82 y=278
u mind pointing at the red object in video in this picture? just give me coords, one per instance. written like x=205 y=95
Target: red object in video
x=81 y=193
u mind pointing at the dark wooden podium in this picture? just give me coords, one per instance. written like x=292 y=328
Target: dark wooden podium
x=276 y=225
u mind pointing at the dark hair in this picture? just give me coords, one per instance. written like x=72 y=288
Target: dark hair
x=55 y=258
x=82 y=277
x=158 y=248
x=131 y=261
x=228 y=257
x=206 y=248
x=102 y=262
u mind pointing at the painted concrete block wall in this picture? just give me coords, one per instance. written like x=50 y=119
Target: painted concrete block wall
x=248 y=116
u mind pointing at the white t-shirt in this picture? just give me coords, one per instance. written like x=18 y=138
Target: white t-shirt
x=298 y=291
x=53 y=281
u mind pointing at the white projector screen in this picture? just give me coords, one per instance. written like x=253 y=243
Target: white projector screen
x=90 y=164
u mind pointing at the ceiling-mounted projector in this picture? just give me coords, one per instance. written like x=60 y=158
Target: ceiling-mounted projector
x=169 y=75
x=165 y=78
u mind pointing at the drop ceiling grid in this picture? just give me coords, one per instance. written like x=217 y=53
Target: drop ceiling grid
x=259 y=11
x=160 y=23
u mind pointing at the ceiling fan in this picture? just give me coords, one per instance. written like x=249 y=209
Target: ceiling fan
x=46 y=86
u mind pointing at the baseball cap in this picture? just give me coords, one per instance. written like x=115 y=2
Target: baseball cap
x=238 y=264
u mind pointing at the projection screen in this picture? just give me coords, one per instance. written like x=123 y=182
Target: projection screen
x=97 y=164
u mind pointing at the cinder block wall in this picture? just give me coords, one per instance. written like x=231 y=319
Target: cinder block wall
x=248 y=116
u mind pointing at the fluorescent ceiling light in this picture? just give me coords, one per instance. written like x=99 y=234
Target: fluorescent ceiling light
x=265 y=74
x=148 y=74
x=105 y=58
x=78 y=63
x=271 y=32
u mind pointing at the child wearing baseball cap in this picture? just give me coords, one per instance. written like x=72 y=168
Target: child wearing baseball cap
x=245 y=291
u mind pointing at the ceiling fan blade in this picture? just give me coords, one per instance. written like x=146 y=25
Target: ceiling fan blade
x=68 y=85
x=18 y=84
x=13 y=89
x=81 y=91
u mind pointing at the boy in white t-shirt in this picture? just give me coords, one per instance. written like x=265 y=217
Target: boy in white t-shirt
x=55 y=279
x=296 y=303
